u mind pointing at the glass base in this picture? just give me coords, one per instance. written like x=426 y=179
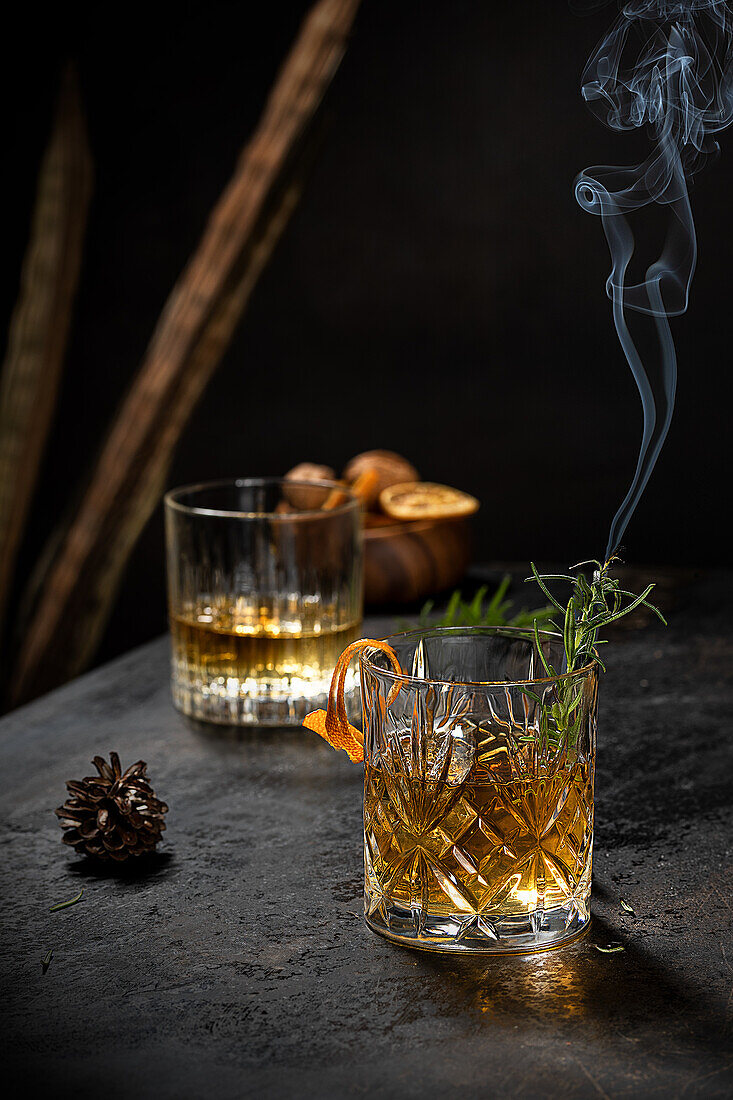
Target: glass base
x=540 y=930
x=259 y=702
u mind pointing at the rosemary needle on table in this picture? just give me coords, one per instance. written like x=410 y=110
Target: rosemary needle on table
x=45 y=963
x=66 y=904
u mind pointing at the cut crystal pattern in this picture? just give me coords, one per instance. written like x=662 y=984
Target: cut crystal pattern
x=478 y=813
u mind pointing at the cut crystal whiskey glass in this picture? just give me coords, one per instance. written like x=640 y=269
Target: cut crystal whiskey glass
x=263 y=595
x=478 y=792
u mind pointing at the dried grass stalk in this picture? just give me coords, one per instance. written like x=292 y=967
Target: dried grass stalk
x=192 y=334
x=40 y=323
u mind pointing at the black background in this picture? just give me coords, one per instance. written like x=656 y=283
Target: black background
x=439 y=292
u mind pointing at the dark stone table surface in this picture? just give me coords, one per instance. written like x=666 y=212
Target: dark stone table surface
x=238 y=964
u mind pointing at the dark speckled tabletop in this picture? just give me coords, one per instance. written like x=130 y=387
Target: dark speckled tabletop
x=238 y=964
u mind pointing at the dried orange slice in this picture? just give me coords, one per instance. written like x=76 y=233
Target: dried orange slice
x=425 y=500
x=362 y=488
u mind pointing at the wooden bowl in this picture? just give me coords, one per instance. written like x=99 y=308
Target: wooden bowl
x=404 y=562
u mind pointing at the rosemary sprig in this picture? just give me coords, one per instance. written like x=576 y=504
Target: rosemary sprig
x=476 y=612
x=592 y=606
x=66 y=904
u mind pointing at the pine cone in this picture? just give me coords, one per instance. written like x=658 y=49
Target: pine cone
x=112 y=815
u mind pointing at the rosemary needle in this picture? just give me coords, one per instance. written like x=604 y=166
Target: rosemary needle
x=609 y=948
x=627 y=908
x=591 y=607
x=45 y=963
x=66 y=904
x=476 y=612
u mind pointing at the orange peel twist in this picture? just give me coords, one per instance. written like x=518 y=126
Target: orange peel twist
x=333 y=724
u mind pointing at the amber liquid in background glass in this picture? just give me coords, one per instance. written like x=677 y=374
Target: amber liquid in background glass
x=489 y=845
x=246 y=648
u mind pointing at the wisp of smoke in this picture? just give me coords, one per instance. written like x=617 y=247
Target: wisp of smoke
x=666 y=65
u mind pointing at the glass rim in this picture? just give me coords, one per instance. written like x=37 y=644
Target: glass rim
x=170 y=499
x=513 y=631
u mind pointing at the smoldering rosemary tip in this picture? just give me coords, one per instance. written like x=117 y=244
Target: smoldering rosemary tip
x=66 y=904
x=591 y=607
